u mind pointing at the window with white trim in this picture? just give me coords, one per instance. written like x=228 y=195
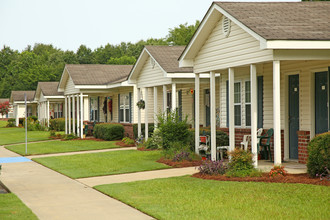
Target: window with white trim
x=124 y=108
x=247 y=103
x=237 y=104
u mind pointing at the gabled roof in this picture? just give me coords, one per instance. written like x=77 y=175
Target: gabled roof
x=49 y=88
x=4 y=100
x=165 y=56
x=97 y=74
x=19 y=95
x=283 y=20
x=277 y=25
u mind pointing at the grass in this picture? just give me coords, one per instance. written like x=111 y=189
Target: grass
x=62 y=146
x=192 y=198
x=3 y=124
x=11 y=207
x=17 y=135
x=105 y=163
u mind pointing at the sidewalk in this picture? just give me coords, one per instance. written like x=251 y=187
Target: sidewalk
x=51 y=195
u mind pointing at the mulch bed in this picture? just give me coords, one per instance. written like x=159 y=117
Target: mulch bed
x=122 y=144
x=144 y=149
x=180 y=164
x=290 y=178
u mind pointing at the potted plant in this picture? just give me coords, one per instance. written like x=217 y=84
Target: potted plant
x=141 y=104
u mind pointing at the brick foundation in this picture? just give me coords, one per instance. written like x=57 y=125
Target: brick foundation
x=303 y=140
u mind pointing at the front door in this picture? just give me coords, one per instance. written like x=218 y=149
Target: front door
x=321 y=102
x=207 y=107
x=293 y=115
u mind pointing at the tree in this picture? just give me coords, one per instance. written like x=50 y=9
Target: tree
x=124 y=60
x=4 y=108
x=85 y=55
x=181 y=35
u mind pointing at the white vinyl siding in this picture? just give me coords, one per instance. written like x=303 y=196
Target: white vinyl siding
x=70 y=87
x=220 y=52
x=151 y=75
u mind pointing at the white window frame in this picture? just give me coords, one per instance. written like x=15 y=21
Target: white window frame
x=238 y=103
x=124 y=105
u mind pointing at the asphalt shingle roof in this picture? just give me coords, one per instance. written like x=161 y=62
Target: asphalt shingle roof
x=283 y=20
x=49 y=88
x=4 y=100
x=167 y=57
x=19 y=95
x=98 y=74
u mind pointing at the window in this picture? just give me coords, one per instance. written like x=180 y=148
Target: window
x=237 y=103
x=124 y=113
x=94 y=105
x=247 y=103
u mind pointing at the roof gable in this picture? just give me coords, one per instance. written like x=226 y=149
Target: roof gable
x=47 y=89
x=19 y=96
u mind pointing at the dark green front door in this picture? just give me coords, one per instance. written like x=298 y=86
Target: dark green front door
x=321 y=102
x=293 y=115
x=207 y=107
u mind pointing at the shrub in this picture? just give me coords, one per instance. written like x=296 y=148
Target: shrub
x=277 y=171
x=173 y=129
x=210 y=167
x=69 y=137
x=128 y=141
x=34 y=118
x=181 y=156
x=34 y=125
x=150 y=129
x=11 y=122
x=241 y=163
x=109 y=132
x=57 y=124
x=151 y=144
x=178 y=152
x=318 y=154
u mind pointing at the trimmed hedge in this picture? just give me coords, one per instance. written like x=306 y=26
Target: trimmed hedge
x=57 y=124
x=150 y=129
x=318 y=154
x=109 y=132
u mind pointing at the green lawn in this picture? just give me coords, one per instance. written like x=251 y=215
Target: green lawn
x=3 y=124
x=17 y=135
x=105 y=163
x=11 y=207
x=192 y=198
x=62 y=146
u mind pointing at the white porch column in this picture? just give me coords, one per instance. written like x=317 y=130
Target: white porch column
x=66 y=113
x=69 y=112
x=173 y=96
x=82 y=115
x=212 y=117
x=197 y=113
x=155 y=106
x=45 y=111
x=277 y=112
x=146 y=114
x=139 y=113
x=48 y=113
x=16 y=115
x=78 y=116
x=73 y=115
x=164 y=99
x=231 y=78
x=254 y=115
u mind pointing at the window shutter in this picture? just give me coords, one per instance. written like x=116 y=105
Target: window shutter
x=180 y=104
x=90 y=110
x=227 y=103
x=119 y=108
x=98 y=108
x=260 y=101
x=130 y=107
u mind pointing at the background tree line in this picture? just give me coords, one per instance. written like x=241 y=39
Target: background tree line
x=44 y=62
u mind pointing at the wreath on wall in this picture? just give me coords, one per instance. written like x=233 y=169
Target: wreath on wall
x=141 y=104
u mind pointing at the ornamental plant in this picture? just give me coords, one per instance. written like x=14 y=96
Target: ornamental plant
x=4 y=108
x=277 y=171
x=141 y=104
x=210 y=167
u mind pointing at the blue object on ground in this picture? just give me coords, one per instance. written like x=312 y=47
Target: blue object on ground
x=14 y=159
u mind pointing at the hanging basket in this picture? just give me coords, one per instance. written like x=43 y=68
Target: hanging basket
x=141 y=104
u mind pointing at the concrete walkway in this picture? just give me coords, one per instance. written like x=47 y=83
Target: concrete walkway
x=81 y=152
x=130 y=177
x=51 y=195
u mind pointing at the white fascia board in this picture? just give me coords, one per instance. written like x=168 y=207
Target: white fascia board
x=116 y=85
x=91 y=86
x=126 y=83
x=180 y=75
x=295 y=44
x=137 y=63
x=240 y=24
x=55 y=97
x=186 y=63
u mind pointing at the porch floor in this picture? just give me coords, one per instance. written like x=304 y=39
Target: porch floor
x=290 y=166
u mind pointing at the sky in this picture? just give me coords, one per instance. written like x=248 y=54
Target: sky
x=69 y=23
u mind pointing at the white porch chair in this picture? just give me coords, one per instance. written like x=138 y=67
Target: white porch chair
x=259 y=132
x=245 y=142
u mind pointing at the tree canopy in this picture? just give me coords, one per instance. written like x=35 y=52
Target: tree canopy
x=44 y=62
